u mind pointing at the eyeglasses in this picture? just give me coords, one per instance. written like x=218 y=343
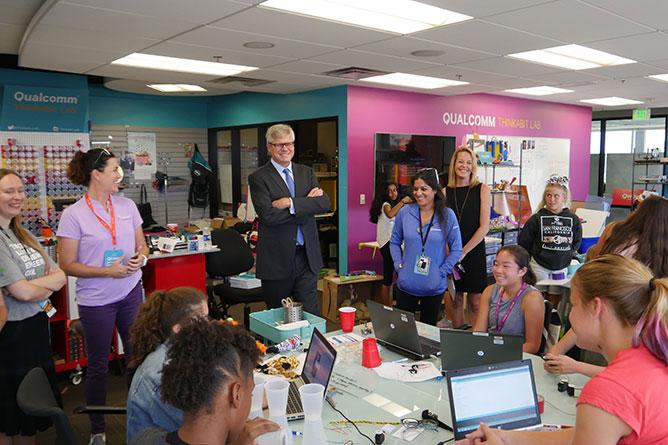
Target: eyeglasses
x=284 y=145
x=427 y=424
x=103 y=151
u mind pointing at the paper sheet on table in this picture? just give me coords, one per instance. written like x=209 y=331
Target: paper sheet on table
x=423 y=370
x=342 y=339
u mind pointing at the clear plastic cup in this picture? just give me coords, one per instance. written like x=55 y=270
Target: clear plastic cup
x=258 y=396
x=277 y=396
x=312 y=395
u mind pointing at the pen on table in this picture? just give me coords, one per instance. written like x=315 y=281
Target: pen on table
x=297 y=433
x=405 y=359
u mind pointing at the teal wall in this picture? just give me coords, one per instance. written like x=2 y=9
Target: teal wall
x=257 y=108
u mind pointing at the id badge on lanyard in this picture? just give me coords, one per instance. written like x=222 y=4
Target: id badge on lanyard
x=422 y=261
x=111 y=255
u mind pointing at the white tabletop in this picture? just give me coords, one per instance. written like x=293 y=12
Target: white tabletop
x=183 y=252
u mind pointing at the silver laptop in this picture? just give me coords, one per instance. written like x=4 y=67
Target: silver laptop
x=466 y=349
x=396 y=330
x=503 y=395
x=318 y=368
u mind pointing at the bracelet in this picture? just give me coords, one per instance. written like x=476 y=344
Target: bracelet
x=145 y=260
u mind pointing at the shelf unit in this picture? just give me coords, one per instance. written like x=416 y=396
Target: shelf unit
x=497 y=193
x=635 y=179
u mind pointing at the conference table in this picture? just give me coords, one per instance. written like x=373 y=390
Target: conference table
x=372 y=401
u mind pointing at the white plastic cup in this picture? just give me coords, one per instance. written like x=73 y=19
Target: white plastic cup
x=258 y=396
x=277 y=396
x=312 y=395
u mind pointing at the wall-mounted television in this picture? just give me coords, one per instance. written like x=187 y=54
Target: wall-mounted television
x=400 y=156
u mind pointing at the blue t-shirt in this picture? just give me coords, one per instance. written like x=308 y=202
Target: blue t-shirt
x=406 y=230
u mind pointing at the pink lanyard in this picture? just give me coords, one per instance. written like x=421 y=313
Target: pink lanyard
x=500 y=325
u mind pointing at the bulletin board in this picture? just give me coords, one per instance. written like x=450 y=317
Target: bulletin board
x=540 y=157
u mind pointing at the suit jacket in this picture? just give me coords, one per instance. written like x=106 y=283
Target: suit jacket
x=277 y=233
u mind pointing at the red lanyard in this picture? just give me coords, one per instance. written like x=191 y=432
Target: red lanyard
x=110 y=228
x=500 y=325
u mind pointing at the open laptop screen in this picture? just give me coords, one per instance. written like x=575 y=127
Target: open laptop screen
x=501 y=395
x=319 y=360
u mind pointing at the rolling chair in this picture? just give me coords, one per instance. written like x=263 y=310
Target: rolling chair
x=35 y=398
x=234 y=257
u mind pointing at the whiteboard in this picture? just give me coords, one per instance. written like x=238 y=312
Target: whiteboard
x=541 y=157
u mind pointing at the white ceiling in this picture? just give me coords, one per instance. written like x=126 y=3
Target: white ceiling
x=84 y=36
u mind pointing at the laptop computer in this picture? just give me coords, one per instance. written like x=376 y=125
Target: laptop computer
x=503 y=395
x=466 y=349
x=396 y=330
x=318 y=368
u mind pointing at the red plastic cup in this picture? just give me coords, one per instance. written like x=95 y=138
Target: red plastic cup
x=541 y=404
x=347 y=317
x=370 y=354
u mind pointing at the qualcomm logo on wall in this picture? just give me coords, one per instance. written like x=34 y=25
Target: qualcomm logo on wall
x=473 y=120
x=21 y=96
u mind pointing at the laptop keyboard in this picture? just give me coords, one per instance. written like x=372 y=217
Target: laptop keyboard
x=429 y=346
x=294 y=400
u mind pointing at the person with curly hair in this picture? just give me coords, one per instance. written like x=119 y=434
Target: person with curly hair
x=160 y=317
x=209 y=376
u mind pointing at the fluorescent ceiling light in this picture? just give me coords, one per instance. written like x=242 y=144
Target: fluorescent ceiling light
x=181 y=65
x=176 y=88
x=661 y=77
x=539 y=91
x=611 y=101
x=412 y=80
x=574 y=57
x=396 y=16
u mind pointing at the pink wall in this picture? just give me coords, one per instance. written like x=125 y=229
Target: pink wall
x=373 y=111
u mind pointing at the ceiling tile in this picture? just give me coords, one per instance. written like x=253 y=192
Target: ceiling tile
x=460 y=73
x=641 y=47
x=234 y=40
x=296 y=78
x=307 y=67
x=483 y=8
x=75 y=17
x=18 y=12
x=510 y=67
x=648 y=12
x=487 y=37
x=10 y=38
x=59 y=35
x=515 y=82
x=565 y=79
x=207 y=53
x=569 y=21
x=150 y=76
x=63 y=58
x=203 y=11
x=623 y=71
x=362 y=59
x=296 y=27
x=403 y=46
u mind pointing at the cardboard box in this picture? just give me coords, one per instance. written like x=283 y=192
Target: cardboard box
x=217 y=223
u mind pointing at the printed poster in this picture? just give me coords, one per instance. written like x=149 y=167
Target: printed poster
x=141 y=147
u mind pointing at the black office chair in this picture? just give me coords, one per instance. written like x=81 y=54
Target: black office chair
x=235 y=257
x=35 y=398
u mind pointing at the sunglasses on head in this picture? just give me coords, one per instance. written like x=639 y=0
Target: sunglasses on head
x=103 y=151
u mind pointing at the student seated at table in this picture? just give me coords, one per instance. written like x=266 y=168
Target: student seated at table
x=620 y=310
x=512 y=305
x=209 y=376
x=162 y=315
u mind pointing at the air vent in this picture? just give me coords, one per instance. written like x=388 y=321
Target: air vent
x=354 y=73
x=245 y=81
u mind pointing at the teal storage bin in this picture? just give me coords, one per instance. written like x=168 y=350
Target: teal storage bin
x=263 y=323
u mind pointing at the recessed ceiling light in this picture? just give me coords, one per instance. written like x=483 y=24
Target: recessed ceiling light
x=574 y=57
x=611 y=101
x=539 y=91
x=415 y=81
x=258 y=45
x=181 y=65
x=427 y=53
x=661 y=77
x=396 y=16
x=176 y=88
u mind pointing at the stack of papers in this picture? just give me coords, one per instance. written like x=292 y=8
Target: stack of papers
x=245 y=281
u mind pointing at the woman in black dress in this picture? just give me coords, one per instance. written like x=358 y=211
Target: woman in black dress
x=470 y=200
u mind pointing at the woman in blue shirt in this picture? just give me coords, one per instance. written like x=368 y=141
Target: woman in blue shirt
x=432 y=246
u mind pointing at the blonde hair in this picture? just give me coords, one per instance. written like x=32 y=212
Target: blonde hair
x=279 y=130
x=473 y=180
x=562 y=187
x=16 y=225
x=637 y=298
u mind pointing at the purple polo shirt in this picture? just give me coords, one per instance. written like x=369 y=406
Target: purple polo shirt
x=79 y=223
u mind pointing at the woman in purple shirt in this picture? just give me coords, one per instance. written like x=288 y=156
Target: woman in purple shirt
x=100 y=241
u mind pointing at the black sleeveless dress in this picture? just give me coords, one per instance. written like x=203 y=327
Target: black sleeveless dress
x=465 y=202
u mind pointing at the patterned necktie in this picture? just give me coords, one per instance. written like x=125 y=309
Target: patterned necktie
x=291 y=187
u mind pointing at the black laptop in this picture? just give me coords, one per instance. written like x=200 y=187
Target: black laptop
x=466 y=349
x=503 y=395
x=396 y=330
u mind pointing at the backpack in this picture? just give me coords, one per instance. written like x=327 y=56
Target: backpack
x=200 y=174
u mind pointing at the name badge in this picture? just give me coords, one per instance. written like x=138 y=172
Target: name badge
x=422 y=264
x=47 y=307
x=111 y=256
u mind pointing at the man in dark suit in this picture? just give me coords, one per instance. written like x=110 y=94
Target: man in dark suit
x=286 y=197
